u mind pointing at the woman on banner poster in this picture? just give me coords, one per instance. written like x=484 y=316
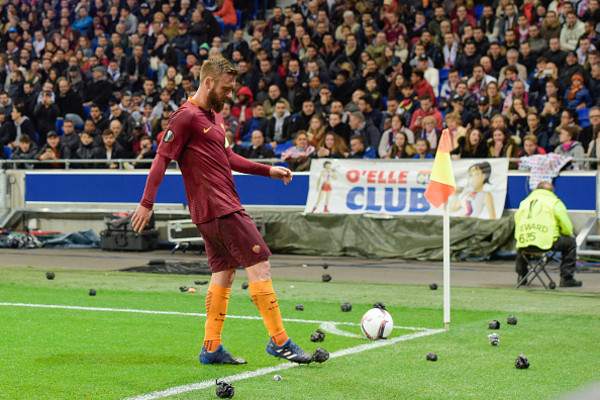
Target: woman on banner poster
x=324 y=185
x=475 y=201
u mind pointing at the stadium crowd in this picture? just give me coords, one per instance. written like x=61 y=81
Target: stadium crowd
x=321 y=78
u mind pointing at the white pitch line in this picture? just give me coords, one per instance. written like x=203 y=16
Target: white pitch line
x=130 y=310
x=267 y=370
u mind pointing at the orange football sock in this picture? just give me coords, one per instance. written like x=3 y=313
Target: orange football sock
x=217 y=299
x=265 y=300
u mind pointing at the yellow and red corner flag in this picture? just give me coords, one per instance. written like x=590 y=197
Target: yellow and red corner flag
x=441 y=181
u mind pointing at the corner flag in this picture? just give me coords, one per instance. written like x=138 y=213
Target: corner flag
x=441 y=181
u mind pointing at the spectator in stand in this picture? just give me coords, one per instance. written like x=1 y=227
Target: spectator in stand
x=421 y=86
x=85 y=150
x=278 y=127
x=501 y=144
x=258 y=149
x=509 y=21
x=25 y=149
x=53 y=150
x=339 y=127
x=471 y=145
x=425 y=110
x=530 y=147
x=512 y=59
x=23 y=126
x=478 y=82
x=536 y=128
x=361 y=126
x=468 y=59
x=551 y=27
x=517 y=116
x=297 y=157
x=569 y=146
x=429 y=132
x=316 y=130
x=45 y=115
x=70 y=137
x=99 y=89
x=454 y=128
x=359 y=149
x=462 y=19
x=490 y=24
x=590 y=132
x=449 y=87
x=571 y=32
x=423 y=149
x=69 y=103
x=401 y=148
x=387 y=138
x=577 y=96
x=110 y=150
x=331 y=146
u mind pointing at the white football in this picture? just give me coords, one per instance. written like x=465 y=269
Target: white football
x=377 y=324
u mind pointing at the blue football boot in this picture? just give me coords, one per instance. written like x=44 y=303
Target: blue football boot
x=219 y=356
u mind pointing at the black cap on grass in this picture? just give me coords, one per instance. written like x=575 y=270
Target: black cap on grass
x=299 y=307
x=225 y=390
x=244 y=285
x=346 y=307
x=320 y=355
x=512 y=320
x=92 y=292
x=318 y=336
x=380 y=305
x=326 y=277
x=184 y=288
x=433 y=286
x=494 y=324
x=521 y=362
x=325 y=265
x=50 y=275
x=431 y=356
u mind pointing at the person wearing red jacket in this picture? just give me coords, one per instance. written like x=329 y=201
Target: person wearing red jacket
x=421 y=86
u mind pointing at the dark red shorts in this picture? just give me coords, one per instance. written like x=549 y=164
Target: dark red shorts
x=232 y=241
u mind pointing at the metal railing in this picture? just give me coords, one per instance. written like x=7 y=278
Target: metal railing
x=128 y=163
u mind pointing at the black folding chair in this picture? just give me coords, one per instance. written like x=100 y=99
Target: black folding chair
x=536 y=259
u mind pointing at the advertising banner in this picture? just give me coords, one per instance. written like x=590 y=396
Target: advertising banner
x=398 y=188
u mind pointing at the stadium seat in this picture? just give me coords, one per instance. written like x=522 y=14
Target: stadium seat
x=7 y=152
x=584 y=117
x=536 y=259
x=238 y=14
x=283 y=147
x=443 y=75
x=478 y=12
x=87 y=110
x=59 y=126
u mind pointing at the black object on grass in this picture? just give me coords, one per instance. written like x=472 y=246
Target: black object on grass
x=346 y=307
x=320 y=355
x=92 y=292
x=380 y=305
x=50 y=275
x=325 y=265
x=521 y=362
x=200 y=282
x=494 y=339
x=512 y=320
x=244 y=285
x=299 y=307
x=225 y=390
x=433 y=286
x=431 y=356
x=326 y=277
x=318 y=336
x=184 y=288
x=494 y=324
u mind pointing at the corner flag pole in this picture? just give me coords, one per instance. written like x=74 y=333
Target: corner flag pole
x=446 y=253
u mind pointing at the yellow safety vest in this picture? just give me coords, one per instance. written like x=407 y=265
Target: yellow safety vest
x=535 y=224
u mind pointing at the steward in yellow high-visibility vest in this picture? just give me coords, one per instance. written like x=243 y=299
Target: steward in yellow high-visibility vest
x=542 y=222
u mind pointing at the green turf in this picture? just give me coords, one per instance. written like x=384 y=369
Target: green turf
x=81 y=354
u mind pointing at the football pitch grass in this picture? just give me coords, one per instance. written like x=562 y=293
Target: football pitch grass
x=104 y=347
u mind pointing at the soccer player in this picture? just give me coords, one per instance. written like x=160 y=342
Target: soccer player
x=195 y=137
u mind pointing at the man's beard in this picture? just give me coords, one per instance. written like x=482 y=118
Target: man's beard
x=213 y=101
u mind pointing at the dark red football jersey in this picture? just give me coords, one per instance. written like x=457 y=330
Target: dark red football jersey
x=196 y=139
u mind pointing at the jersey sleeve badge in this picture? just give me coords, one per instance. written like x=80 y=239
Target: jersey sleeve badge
x=169 y=136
